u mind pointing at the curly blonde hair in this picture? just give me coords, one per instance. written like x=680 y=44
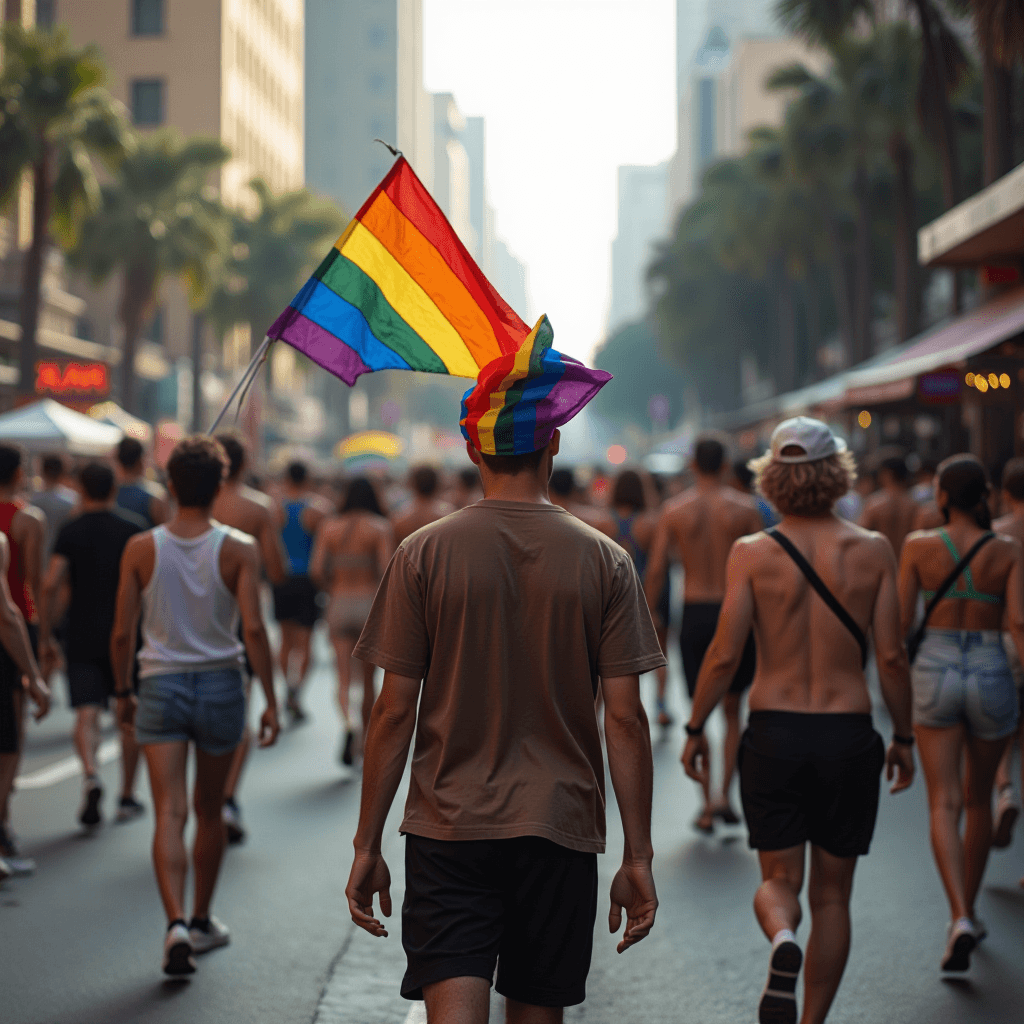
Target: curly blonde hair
x=804 y=488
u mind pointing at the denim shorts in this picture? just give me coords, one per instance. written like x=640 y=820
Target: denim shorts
x=207 y=708
x=961 y=676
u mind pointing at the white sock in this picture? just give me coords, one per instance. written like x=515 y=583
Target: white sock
x=783 y=935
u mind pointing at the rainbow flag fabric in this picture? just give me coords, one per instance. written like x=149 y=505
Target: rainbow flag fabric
x=399 y=290
x=521 y=397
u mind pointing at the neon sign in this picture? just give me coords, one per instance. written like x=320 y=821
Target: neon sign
x=88 y=378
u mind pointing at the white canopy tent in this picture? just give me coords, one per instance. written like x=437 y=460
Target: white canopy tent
x=48 y=426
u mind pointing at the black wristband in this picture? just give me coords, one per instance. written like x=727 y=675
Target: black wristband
x=691 y=731
x=124 y=694
x=906 y=741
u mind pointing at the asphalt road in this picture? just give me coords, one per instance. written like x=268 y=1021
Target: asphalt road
x=80 y=942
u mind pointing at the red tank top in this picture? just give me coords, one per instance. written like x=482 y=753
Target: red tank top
x=21 y=592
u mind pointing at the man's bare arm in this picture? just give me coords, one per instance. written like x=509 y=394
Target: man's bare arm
x=47 y=606
x=270 y=548
x=1014 y=614
x=254 y=634
x=388 y=737
x=14 y=637
x=657 y=564
x=319 y=556
x=628 y=738
x=909 y=585
x=31 y=533
x=126 y=612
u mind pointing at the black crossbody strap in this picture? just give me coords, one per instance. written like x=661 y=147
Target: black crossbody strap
x=826 y=595
x=949 y=582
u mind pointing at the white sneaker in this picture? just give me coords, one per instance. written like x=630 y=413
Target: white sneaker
x=178 y=959
x=962 y=940
x=214 y=934
x=5 y=870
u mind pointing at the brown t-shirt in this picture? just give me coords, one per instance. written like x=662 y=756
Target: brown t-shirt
x=509 y=612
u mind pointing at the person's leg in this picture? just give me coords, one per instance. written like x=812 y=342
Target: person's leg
x=166 y=763
x=981 y=763
x=731 y=706
x=524 y=1013
x=941 y=752
x=777 y=900
x=343 y=646
x=11 y=758
x=87 y=737
x=208 y=799
x=303 y=647
x=238 y=759
x=828 y=946
x=129 y=763
x=458 y=1001
x=287 y=647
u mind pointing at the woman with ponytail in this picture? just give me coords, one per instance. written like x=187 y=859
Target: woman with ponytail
x=965 y=702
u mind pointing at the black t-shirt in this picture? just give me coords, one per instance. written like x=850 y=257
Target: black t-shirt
x=93 y=544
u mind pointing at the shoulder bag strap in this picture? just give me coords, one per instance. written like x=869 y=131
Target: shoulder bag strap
x=826 y=595
x=947 y=585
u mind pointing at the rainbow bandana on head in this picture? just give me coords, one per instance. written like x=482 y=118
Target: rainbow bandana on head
x=521 y=397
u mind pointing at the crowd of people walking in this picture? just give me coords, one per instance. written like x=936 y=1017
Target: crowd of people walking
x=797 y=571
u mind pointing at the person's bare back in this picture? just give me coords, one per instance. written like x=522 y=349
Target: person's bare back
x=252 y=512
x=351 y=552
x=807 y=660
x=422 y=512
x=704 y=523
x=891 y=513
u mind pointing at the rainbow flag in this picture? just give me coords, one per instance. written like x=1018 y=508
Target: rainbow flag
x=400 y=291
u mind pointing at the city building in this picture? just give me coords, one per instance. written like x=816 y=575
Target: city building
x=228 y=69
x=641 y=221
x=364 y=81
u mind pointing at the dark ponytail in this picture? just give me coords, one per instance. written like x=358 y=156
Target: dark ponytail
x=965 y=482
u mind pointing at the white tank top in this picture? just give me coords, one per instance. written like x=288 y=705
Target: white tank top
x=189 y=617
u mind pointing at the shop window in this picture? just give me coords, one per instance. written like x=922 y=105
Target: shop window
x=148 y=101
x=147 y=17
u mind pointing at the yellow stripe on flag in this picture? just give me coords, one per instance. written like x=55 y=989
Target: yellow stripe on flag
x=520 y=368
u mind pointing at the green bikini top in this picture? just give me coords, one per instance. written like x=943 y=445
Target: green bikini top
x=968 y=593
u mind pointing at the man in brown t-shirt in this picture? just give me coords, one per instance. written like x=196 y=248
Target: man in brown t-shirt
x=497 y=622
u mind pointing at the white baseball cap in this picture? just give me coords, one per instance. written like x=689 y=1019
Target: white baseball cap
x=813 y=436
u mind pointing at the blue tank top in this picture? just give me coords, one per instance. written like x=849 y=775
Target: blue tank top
x=628 y=541
x=297 y=540
x=133 y=498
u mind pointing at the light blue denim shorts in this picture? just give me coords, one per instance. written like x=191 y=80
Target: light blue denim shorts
x=206 y=708
x=963 y=676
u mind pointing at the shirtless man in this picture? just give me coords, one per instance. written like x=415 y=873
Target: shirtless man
x=810 y=759
x=702 y=524
x=425 y=508
x=1011 y=524
x=251 y=512
x=891 y=510
x=563 y=491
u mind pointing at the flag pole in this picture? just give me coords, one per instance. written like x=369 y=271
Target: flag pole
x=246 y=379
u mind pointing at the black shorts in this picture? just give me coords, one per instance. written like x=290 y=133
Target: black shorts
x=90 y=682
x=695 y=635
x=10 y=684
x=525 y=904
x=664 y=606
x=295 y=601
x=811 y=778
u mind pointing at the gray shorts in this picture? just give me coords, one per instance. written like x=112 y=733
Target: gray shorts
x=206 y=708
x=962 y=676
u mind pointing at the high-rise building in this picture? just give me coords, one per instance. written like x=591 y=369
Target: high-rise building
x=364 y=81
x=227 y=69
x=642 y=196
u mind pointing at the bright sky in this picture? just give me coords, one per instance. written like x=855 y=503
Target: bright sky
x=570 y=89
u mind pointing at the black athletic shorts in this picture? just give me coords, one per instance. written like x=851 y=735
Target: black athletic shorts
x=664 y=606
x=695 y=635
x=295 y=601
x=525 y=904
x=811 y=778
x=90 y=682
x=10 y=683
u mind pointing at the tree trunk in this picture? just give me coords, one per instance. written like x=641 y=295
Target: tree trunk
x=137 y=302
x=839 y=272
x=998 y=124
x=32 y=278
x=862 y=295
x=787 y=330
x=936 y=84
x=906 y=287
x=812 y=313
x=197 y=373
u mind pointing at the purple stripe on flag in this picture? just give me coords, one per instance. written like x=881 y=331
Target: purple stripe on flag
x=319 y=345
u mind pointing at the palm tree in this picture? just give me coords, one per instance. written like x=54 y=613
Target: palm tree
x=54 y=117
x=270 y=256
x=158 y=217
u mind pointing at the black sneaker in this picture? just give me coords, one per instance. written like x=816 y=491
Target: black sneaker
x=346 y=749
x=129 y=808
x=232 y=817
x=92 y=794
x=778 y=1000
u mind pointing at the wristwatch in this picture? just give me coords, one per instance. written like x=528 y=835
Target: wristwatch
x=692 y=731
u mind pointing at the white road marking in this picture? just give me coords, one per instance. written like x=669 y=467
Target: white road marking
x=68 y=768
x=417 y=1014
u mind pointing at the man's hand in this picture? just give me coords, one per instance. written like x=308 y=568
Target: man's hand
x=50 y=658
x=370 y=875
x=899 y=763
x=125 y=713
x=39 y=693
x=696 y=758
x=269 y=727
x=632 y=891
